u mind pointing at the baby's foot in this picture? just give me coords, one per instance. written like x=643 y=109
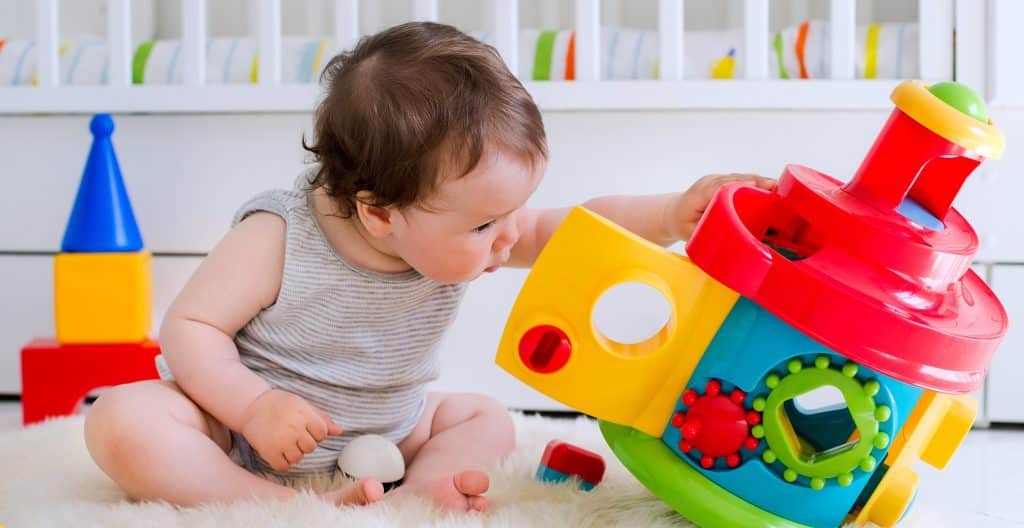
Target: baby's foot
x=365 y=491
x=460 y=491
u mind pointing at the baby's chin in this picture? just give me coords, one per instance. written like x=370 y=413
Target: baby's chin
x=480 y=273
x=454 y=277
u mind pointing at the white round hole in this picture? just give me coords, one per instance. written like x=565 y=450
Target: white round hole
x=631 y=312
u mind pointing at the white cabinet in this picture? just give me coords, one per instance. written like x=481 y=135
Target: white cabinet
x=27 y=312
x=28 y=304
x=981 y=420
x=1006 y=374
x=1006 y=79
x=185 y=175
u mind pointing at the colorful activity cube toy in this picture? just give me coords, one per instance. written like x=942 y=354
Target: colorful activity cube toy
x=863 y=289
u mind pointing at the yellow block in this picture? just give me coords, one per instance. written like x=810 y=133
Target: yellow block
x=932 y=433
x=102 y=297
x=633 y=385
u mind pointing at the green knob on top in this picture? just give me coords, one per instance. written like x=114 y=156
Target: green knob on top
x=961 y=97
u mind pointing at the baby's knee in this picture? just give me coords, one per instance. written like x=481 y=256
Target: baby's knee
x=113 y=429
x=503 y=428
x=491 y=407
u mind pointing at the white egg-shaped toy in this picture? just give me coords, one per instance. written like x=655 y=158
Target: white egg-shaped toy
x=372 y=456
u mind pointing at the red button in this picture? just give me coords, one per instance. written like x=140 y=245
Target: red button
x=544 y=349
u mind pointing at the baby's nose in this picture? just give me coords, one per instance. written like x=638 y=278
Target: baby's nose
x=508 y=236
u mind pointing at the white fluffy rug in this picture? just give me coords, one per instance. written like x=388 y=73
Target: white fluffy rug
x=48 y=479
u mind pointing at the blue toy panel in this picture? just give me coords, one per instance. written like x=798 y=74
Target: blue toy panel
x=750 y=345
x=102 y=219
x=911 y=209
x=546 y=474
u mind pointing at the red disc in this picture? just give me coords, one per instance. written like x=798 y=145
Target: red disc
x=545 y=349
x=715 y=425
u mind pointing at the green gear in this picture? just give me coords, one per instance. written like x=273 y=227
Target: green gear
x=786 y=447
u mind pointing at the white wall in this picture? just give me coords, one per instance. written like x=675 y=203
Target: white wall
x=186 y=174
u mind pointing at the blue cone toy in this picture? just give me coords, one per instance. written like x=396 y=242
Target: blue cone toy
x=102 y=220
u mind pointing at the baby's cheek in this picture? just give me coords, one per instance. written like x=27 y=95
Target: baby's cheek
x=471 y=260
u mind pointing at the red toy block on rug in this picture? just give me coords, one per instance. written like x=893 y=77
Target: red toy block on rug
x=562 y=461
x=55 y=378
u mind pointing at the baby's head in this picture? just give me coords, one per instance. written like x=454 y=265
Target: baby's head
x=432 y=144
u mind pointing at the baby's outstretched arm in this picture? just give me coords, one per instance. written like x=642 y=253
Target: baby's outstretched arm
x=661 y=218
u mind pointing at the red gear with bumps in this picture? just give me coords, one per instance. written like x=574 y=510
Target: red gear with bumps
x=715 y=424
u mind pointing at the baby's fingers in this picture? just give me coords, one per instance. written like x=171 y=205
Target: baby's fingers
x=319 y=425
x=767 y=184
x=756 y=179
x=333 y=429
x=278 y=462
x=306 y=443
x=292 y=454
x=317 y=429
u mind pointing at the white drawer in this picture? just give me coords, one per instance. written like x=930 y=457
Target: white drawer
x=28 y=304
x=1005 y=390
x=990 y=199
x=185 y=175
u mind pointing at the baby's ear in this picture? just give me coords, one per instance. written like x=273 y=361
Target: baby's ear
x=376 y=219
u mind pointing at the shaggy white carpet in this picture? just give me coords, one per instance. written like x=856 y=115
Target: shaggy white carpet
x=48 y=479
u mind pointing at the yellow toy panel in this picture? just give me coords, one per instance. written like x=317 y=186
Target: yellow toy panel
x=933 y=432
x=550 y=341
x=102 y=297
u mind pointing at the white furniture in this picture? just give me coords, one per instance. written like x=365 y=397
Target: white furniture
x=936 y=19
x=1005 y=396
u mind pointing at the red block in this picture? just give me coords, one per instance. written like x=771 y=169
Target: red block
x=55 y=378
x=573 y=461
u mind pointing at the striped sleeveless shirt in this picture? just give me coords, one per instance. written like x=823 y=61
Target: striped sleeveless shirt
x=358 y=344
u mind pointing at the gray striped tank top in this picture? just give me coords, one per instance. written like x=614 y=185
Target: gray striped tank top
x=358 y=344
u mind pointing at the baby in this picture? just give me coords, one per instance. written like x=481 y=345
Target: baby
x=316 y=319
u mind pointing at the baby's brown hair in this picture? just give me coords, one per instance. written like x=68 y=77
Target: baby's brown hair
x=412 y=104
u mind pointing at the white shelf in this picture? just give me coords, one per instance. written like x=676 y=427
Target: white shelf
x=714 y=95
x=550 y=96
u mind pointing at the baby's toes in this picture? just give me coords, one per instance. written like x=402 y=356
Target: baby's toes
x=478 y=503
x=365 y=491
x=370 y=490
x=471 y=482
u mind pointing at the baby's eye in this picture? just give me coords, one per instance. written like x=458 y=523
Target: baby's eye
x=484 y=227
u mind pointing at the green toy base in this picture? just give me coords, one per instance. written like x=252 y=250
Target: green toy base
x=681 y=486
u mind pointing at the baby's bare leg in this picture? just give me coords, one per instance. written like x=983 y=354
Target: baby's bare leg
x=157 y=444
x=458 y=436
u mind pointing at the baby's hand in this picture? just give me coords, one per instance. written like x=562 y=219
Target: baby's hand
x=690 y=207
x=282 y=427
